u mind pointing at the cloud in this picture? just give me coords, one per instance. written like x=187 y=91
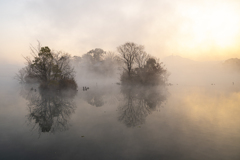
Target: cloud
x=101 y=23
x=79 y=26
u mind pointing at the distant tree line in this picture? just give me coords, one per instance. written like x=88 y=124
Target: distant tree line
x=233 y=64
x=97 y=62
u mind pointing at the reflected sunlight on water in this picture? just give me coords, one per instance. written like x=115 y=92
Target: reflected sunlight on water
x=207 y=120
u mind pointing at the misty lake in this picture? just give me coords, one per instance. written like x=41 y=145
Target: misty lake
x=111 y=122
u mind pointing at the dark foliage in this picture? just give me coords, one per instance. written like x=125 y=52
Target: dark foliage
x=152 y=73
x=139 y=67
x=66 y=84
x=51 y=69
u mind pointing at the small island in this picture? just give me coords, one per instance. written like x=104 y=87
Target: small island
x=50 y=69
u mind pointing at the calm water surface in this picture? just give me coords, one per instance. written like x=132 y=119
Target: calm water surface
x=185 y=122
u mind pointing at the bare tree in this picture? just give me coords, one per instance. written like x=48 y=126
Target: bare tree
x=128 y=53
x=110 y=56
x=21 y=75
x=62 y=68
x=142 y=57
x=49 y=68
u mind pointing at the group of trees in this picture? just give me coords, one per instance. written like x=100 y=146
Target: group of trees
x=97 y=62
x=50 y=69
x=139 y=67
x=54 y=72
x=53 y=69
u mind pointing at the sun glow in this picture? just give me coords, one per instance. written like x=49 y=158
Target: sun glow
x=218 y=26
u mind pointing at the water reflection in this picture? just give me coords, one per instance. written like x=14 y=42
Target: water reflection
x=50 y=111
x=95 y=97
x=138 y=103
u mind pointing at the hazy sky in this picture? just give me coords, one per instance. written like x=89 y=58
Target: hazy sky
x=196 y=29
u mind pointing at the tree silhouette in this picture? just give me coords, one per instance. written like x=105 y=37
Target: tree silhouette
x=128 y=53
x=139 y=67
x=50 y=69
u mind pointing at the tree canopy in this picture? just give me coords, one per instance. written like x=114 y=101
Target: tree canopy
x=139 y=67
x=50 y=69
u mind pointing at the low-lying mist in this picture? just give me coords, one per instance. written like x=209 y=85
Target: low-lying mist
x=195 y=73
x=106 y=99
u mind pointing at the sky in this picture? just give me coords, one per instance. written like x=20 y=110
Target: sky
x=204 y=30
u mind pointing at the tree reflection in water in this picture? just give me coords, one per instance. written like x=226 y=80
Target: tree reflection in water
x=50 y=110
x=138 y=103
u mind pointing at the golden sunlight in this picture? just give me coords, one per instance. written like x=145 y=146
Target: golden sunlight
x=215 y=25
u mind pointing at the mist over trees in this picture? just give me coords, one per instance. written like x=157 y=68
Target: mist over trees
x=97 y=63
x=132 y=65
x=56 y=70
x=142 y=79
x=233 y=64
x=48 y=68
x=139 y=67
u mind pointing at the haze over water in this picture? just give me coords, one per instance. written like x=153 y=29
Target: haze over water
x=190 y=112
x=182 y=121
